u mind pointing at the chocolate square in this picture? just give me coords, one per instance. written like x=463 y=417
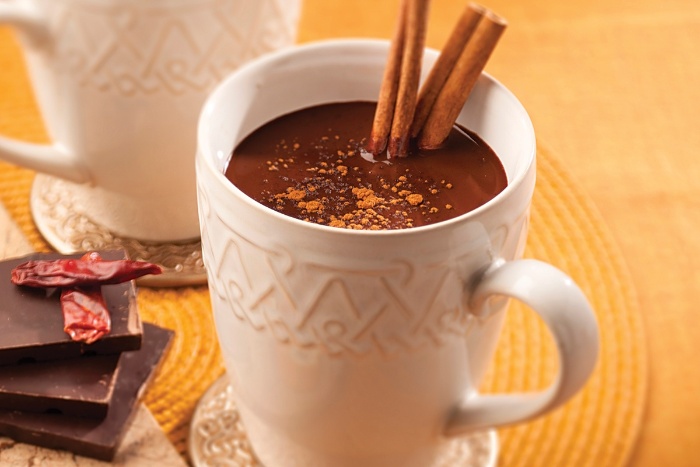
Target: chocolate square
x=32 y=322
x=90 y=437
x=81 y=386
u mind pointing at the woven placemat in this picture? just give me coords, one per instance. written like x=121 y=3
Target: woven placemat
x=597 y=428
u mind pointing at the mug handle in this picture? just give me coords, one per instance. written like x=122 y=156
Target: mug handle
x=562 y=305
x=53 y=159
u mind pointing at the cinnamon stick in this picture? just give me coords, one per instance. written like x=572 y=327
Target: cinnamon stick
x=386 y=102
x=461 y=81
x=416 y=24
x=465 y=27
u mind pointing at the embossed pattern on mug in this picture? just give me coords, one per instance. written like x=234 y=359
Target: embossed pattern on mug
x=144 y=48
x=269 y=290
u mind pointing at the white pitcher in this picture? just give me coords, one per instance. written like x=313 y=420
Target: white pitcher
x=120 y=84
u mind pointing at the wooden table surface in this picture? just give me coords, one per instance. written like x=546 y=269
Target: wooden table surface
x=613 y=90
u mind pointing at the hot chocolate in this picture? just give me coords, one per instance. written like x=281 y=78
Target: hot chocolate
x=310 y=164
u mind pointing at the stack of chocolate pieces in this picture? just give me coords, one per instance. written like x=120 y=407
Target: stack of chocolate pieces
x=63 y=394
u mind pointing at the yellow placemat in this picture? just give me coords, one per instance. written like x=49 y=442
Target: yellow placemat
x=597 y=428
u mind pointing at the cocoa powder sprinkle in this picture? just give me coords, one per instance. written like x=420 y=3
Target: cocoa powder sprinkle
x=414 y=199
x=371 y=211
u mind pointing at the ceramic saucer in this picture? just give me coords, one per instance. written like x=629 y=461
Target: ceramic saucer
x=61 y=222
x=217 y=437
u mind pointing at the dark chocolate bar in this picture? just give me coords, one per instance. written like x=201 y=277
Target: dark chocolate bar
x=31 y=321
x=80 y=386
x=89 y=437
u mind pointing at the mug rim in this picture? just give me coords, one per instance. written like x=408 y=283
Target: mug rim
x=203 y=136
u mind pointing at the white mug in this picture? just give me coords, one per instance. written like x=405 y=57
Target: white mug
x=366 y=348
x=120 y=84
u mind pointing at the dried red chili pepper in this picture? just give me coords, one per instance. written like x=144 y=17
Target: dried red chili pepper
x=90 y=270
x=85 y=314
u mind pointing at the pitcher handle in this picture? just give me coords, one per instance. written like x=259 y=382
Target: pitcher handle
x=53 y=159
x=26 y=19
x=563 y=307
